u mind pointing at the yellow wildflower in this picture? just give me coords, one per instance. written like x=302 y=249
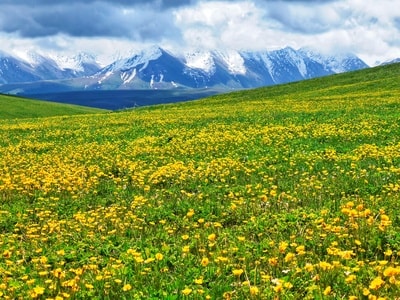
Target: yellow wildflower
x=327 y=290
x=204 y=261
x=309 y=267
x=7 y=253
x=186 y=291
x=391 y=271
x=254 y=290
x=376 y=283
x=190 y=213
x=273 y=261
x=278 y=288
x=237 y=272
x=199 y=280
x=388 y=252
x=325 y=265
x=283 y=246
x=301 y=250
x=350 y=278
x=289 y=257
x=39 y=290
x=212 y=237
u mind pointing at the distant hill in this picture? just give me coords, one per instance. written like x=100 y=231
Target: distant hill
x=12 y=107
x=396 y=60
x=371 y=83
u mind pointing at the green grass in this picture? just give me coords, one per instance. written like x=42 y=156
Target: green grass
x=346 y=86
x=16 y=107
x=284 y=192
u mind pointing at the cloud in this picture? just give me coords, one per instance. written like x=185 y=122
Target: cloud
x=220 y=24
x=306 y=19
x=256 y=24
x=396 y=22
x=87 y=19
x=366 y=27
x=160 y=4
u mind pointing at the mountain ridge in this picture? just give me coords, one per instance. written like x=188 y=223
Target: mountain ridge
x=157 y=68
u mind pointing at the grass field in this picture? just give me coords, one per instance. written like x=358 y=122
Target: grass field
x=12 y=107
x=286 y=192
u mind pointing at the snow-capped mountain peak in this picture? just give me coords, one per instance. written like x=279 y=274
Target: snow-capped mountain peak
x=232 y=60
x=136 y=59
x=143 y=57
x=76 y=62
x=336 y=62
x=156 y=68
x=31 y=57
x=202 y=60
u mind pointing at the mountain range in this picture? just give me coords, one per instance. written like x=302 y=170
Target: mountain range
x=157 y=68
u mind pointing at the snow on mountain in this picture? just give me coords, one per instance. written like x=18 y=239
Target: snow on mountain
x=141 y=58
x=13 y=69
x=150 y=68
x=76 y=62
x=232 y=60
x=298 y=61
x=31 y=57
x=31 y=66
x=156 y=68
x=200 y=60
x=128 y=76
x=336 y=63
x=393 y=61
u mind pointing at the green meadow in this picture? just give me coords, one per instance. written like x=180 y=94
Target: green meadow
x=283 y=192
x=12 y=107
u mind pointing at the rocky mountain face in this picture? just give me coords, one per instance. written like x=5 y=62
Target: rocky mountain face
x=156 y=68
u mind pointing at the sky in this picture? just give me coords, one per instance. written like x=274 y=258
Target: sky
x=112 y=28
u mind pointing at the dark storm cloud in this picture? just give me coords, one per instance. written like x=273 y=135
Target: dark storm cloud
x=143 y=20
x=159 y=3
x=138 y=19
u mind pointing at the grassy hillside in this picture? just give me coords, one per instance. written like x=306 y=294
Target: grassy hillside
x=16 y=107
x=287 y=192
x=355 y=85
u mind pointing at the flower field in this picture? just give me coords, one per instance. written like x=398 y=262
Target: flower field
x=289 y=192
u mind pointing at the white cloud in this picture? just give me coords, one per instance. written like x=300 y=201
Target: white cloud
x=236 y=25
x=368 y=28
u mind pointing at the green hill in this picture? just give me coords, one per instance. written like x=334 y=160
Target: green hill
x=367 y=82
x=12 y=107
x=284 y=192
